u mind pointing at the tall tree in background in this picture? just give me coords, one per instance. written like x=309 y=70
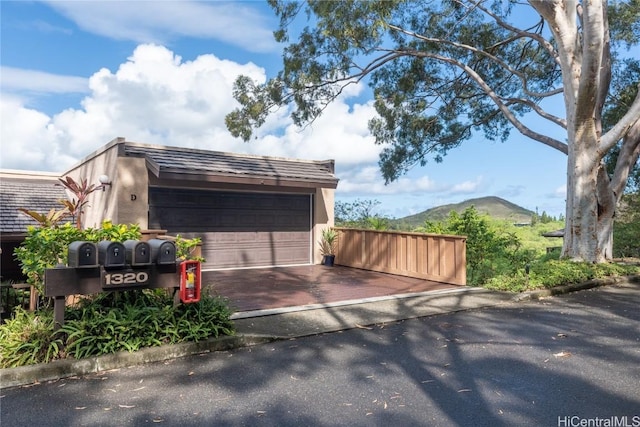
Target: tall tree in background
x=443 y=70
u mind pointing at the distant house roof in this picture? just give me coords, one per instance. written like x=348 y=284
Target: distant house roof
x=36 y=191
x=556 y=233
x=180 y=163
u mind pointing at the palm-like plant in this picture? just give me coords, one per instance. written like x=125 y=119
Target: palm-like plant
x=81 y=191
x=328 y=241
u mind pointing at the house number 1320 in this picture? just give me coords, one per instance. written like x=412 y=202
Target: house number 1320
x=129 y=278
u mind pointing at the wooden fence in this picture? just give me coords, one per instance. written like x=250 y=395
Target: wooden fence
x=441 y=258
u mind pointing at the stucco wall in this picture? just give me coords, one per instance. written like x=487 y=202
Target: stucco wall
x=102 y=204
x=132 y=191
x=323 y=218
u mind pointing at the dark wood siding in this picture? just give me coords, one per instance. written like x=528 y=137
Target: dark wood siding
x=237 y=229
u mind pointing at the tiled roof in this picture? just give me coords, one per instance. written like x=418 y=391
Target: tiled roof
x=40 y=195
x=187 y=160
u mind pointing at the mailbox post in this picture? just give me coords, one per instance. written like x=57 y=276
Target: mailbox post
x=113 y=266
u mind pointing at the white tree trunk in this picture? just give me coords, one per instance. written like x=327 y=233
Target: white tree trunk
x=581 y=241
x=585 y=63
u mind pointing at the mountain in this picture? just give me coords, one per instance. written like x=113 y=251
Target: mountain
x=493 y=206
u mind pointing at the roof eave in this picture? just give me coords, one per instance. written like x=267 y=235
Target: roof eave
x=243 y=179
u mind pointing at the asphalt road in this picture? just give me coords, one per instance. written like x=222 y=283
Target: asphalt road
x=563 y=361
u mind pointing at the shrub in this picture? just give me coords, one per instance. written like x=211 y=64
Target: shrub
x=491 y=249
x=111 y=322
x=45 y=247
x=186 y=248
x=549 y=273
x=626 y=228
x=28 y=338
x=131 y=320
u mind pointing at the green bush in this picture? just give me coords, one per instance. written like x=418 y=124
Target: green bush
x=549 y=273
x=186 y=248
x=111 y=322
x=626 y=239
x=498 y=254
x=491 y=248
x=107 y=322
x=626 y=228
x=28 y=338
x=45 y=247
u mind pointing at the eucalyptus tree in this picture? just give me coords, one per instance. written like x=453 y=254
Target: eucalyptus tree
x=442 y=71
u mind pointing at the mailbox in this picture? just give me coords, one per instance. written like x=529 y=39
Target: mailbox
x=82 y=254
x=137 y=253
x=112 y=254
x=163 y=252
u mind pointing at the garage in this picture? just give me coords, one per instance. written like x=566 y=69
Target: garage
x=238 y=229
x=249 y=210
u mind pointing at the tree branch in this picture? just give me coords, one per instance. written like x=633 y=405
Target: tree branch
x=552 y=118
x=521 y=34
x=551 y=142
x=481 y=52
x=624 y=125
x=628 y=156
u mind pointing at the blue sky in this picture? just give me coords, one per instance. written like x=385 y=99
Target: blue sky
x=76 y=74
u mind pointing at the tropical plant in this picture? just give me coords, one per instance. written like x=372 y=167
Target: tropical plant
x=443 y=71
x=109 y=322
x=46 y=220
x=81 y=191
x=328 y=241
x=27 y=338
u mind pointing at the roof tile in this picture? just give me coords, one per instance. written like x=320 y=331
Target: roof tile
x=40 y=195
x=188 y=160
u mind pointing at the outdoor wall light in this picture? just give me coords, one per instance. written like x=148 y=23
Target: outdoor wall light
x=104 y=181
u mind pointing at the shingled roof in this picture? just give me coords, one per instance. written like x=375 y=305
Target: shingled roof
x=35 y=191
x=166 y=161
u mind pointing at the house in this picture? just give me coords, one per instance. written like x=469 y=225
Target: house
x=37 y=191
x=249 y=211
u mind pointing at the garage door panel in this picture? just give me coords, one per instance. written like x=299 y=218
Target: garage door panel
x=206 y=219
x=237 y=229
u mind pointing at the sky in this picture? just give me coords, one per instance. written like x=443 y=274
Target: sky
x=74 y=75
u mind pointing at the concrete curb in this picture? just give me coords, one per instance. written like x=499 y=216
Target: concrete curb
x=33 y=374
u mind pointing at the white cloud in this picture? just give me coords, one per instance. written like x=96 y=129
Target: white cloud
x=560 y=192
x=468 y=187
x=155 y=97
x=43 y=27
x=236 y=23
x=26 y=138
x=16 y=79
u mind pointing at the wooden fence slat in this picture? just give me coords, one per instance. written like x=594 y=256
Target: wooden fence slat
x=435 y=257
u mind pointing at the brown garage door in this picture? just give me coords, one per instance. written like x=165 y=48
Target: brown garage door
x=237 y=229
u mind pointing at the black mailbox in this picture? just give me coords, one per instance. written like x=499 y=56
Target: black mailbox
x=163 y=252
x=137 y=253
x=111 y=254
x=82 y=254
